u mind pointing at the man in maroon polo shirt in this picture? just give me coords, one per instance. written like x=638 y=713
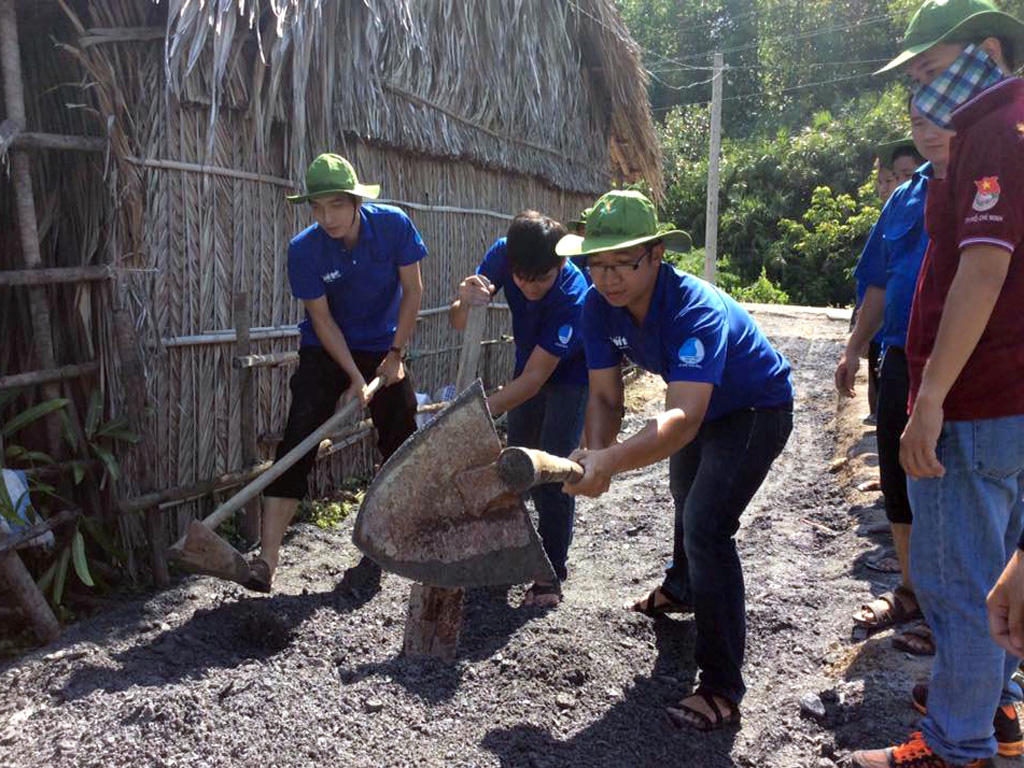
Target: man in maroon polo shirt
x=963 y=448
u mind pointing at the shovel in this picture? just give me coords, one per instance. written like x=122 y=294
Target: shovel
x=446 y=509
x=201 y=550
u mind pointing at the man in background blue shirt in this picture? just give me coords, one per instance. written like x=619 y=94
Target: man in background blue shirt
x=547 y=396
x=889 y=267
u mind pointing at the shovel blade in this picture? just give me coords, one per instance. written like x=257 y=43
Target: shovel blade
x=414 y=521
x=206 y=553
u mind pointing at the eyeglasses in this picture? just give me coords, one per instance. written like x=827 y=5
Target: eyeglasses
x=618 y=269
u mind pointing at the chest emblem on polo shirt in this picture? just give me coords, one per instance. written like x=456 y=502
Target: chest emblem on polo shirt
x=620 y=341
x=330 y=277
x=564 y=334
x=691 y=352
x=988 y=193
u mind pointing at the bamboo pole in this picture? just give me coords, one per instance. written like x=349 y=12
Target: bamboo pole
x=47 y=377
x=192 y=490
x=246 y=410
x=21 y=178
x=33 y=140
x=264 y=333
x=53 y=275
x=18 y=540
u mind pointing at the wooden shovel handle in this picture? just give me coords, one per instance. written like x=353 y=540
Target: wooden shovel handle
x=523 y=468
x=278 y=468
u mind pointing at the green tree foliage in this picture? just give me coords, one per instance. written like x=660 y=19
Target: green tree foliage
x=770 y=185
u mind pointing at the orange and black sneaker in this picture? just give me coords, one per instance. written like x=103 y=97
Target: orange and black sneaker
x=911 y=754
x=1009 y=739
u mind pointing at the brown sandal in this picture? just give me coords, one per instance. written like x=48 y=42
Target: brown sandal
x=891 y=610
x=652 y=607
x=684 y=715
x=918 y=641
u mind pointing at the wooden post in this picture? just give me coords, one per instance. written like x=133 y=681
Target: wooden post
x=714 y=159
x=434 y=620
x=246 y=411
x=21 y=179
x=26 y=594
x=134 y=378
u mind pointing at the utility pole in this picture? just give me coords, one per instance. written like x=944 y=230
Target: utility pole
x=714 y=158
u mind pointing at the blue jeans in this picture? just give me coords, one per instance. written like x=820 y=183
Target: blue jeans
x=712 y=480
x=552 y=420
x=966 y=526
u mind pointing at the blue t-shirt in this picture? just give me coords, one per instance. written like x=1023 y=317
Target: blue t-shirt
x=552 y=323
x=362 y=286
x=692 y=332
x=892 y=258
x=862 y=283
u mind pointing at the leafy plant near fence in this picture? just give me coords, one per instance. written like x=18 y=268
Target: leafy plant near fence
x=97 y=441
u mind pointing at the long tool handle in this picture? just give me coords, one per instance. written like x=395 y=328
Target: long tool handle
x=522 y=468
x=278 y=468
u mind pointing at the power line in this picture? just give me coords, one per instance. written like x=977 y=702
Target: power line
x=769 y=68
x=804 y=35
x=769 y=93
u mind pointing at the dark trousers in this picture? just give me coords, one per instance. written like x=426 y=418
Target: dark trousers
x=874 y=355
x=316 y=387
x=712 y=480
x=552 y=420
x=893 y=398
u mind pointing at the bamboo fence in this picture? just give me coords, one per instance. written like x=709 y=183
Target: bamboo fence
x=165 y=135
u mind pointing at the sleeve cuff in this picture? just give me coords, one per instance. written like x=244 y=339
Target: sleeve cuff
x=968 y=242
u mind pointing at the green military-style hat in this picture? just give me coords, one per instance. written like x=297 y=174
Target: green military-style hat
x=955 y=21
x=885 y=152
x=332 y=174
x=621 y=219
x=582 y=220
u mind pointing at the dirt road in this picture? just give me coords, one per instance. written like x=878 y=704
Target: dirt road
x=204 y=674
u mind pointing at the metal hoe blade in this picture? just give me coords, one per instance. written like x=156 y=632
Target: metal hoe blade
x=413 y=522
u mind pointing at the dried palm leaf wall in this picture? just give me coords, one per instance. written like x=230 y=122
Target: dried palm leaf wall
x=212 y=112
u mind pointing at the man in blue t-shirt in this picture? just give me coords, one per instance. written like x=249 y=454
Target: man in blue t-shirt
x=889 y=266
x=547 y=396
x=728 y=414
x=357 y=272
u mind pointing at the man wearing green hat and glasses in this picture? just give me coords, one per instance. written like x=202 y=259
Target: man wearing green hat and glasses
x=963 y=447
x=356 y=270
x=728 y=414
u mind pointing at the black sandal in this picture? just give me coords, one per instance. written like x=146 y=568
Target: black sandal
x=259 y=576
x=650 y=607
x=682 y=715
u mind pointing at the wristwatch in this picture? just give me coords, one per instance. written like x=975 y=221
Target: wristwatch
x=397 y=350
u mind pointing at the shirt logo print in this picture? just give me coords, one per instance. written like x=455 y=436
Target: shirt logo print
x=620 y=341
x=988 y=193
x=691 y=352
x=564 y=334
x=330 y=277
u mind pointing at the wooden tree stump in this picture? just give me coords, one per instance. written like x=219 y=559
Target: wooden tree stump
x=434 y=620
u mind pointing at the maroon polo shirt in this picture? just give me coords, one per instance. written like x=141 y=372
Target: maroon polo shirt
x=980 y=202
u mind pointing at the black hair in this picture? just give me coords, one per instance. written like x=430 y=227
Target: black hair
x=531 y=241
x=910 y=152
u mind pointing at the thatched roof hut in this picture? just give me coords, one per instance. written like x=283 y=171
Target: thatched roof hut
x=201 y=115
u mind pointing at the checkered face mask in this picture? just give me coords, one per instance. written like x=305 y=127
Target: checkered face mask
x=971 y=73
